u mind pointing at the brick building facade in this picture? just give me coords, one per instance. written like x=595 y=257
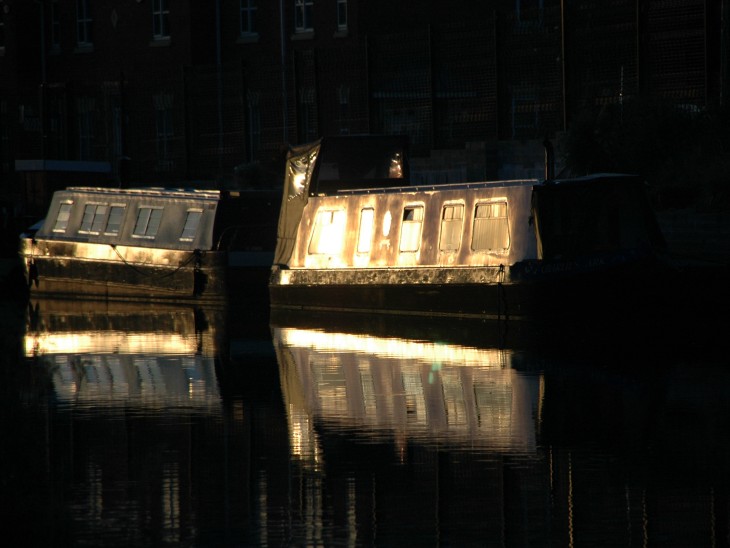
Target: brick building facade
x=183 y=92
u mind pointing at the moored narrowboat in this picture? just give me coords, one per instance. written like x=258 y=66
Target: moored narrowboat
x=152 y=244
x=519 y=249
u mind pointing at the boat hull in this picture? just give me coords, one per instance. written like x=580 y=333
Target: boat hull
x=558 y=292
x=93 y=271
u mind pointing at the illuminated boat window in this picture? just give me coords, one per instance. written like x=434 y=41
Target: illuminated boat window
x=148 y=222
x=328 y=233
x=491 y=231
x=452 y=219
x=64 y=212
x=365 y=235
x=410 y=234
x=191 y=225
x=93 y=220
x=114 y=222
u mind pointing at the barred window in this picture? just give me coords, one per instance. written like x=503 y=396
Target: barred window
x=452 y=221
x=365 y=235
x=410 y=233
x=248 y=17
x=114 y=221
x=329 y=232
x=491 y=230
x=303 y=15
x=64 y=214
x=191 y=225
x=83 y=23
x=93 y=220
x=148 y=222
x=160 y=19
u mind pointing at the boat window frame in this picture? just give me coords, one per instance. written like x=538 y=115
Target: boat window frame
x=149 y=233
x=64 y=207
x=408 y=223
x=315 y=246
x=460 y=230
x=199 y=211
x=112 y=207
x=364 y=246
x=97 y=219
x=503 y=220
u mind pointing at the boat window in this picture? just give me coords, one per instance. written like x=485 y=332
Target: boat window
x=491 y=231
x=64 y=213
x=410 y=232
x=114 y=222
x=365 y=235
x=93 y=220
x=452 y=218
x=329 y=232
x=148 y=221
x=191 y=224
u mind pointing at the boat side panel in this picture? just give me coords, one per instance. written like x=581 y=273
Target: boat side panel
x=388 y=222
x=175 y=206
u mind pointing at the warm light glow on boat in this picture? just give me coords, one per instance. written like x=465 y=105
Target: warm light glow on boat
x=394 y=348
x=408 y=390
x=109 y=341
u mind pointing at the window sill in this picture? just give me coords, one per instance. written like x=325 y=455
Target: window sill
x=304 y=35
x=84 y=48
x=160 y=42
x=248 y=38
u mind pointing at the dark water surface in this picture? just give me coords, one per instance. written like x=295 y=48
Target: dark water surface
x=173 y=426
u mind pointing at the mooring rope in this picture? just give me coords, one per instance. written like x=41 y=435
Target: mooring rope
x=197 y=254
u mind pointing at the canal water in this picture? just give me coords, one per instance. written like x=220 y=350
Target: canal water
x=179 y=426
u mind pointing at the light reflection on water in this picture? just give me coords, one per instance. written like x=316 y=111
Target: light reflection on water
x=153 y=426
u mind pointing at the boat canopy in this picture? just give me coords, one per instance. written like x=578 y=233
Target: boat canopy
x=332 y=164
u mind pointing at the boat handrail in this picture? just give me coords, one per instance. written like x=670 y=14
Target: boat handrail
x=444 y=186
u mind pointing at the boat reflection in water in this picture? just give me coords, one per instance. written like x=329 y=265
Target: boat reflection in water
x=409 y=391
x=433 y=440
x=135 y=424
x=117 y=355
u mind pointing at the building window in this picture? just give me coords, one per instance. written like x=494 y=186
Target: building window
x=253 y=123
x=329 y=232
x=114 y=222
x=365 y=235
x=452 y=219
x=248 y=17
x=524 y=115
x=307 y=114
x=93 y=220
x=160 y=19
x=410 y=232
x=148 y=222
x=64 y=214
x=191 y=225
x=55 y=27
x=303 y=15
x=491 y=231
x=165 y=130
x=342 y=15
x=85 y=117
x=83 y=23
x=2 y=31
x=529 y=11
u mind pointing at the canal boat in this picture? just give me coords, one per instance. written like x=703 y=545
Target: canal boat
x=505 y=250
x=152 y=244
